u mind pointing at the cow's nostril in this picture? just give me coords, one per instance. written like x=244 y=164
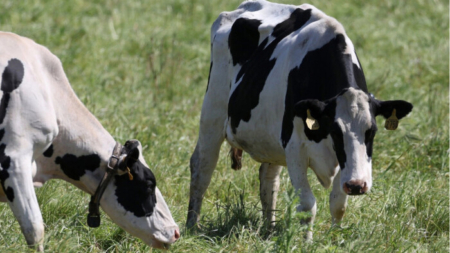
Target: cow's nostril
x=347 y=188
x=355 y=187
x=176 y=234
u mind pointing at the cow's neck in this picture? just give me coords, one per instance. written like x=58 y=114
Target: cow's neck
x=82 y=147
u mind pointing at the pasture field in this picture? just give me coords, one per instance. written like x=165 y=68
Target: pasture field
x=141 y=68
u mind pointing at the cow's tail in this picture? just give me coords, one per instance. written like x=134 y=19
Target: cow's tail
x=236 y=157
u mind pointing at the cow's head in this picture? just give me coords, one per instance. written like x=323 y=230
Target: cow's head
x=133 y=201
x=350 y=120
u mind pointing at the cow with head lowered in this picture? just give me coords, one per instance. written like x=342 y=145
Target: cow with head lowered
x=46 y=132
x=286 y=87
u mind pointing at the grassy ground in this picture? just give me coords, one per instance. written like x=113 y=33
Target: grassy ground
x=141 y=67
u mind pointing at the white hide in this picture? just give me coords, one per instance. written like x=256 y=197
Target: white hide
x=45 y=111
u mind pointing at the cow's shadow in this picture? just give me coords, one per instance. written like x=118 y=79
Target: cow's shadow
x=231 y=216
x=235 y=216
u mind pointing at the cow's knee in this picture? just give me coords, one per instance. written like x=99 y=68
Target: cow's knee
x=337 y=213
x=194 y=161
x=201 y=171
x=308 y=204
x=338 y=203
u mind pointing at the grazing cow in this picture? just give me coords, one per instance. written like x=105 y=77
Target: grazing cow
x=286 y=86
x=46 y=132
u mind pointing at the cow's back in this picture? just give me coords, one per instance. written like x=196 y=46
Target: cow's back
x=265 y=58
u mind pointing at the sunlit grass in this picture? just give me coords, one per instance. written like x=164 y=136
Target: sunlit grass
x=141 y=67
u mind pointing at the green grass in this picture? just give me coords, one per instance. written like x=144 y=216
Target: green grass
x=141 y=67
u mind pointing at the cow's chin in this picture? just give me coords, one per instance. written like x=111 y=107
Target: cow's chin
x=157 y=244
x=156 y=239
x=159 y=239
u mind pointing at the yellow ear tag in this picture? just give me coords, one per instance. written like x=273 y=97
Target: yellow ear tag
x=129 y=174
x=391 y=122
x=311 y=122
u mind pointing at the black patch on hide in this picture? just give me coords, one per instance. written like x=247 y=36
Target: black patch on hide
x=256 y=69
x=49 y=151
x=75 y=167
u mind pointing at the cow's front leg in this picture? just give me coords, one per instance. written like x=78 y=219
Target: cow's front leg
x=298 y=167
x=338 y=200
x=17 y=183
x=269 y=178
x=299 y=180
x=203 y=162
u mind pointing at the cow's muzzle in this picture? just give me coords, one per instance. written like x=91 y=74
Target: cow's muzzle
x=162 y=243
x=355 y=187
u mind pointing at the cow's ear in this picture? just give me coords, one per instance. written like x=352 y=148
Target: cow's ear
x=386 y=108
x=134 y=154
x=392 y=111
x=132 y=151
x=311 y=111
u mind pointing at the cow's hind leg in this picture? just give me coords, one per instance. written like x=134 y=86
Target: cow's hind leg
x=17 y=183
x=203 y=162
x=338 y=201
x=269 y=178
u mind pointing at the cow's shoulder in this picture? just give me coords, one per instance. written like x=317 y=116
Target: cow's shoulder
x=51 y=64
x=28 y=88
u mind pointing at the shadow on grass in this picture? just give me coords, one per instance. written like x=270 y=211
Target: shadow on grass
x=235 y=218
x=231 y=216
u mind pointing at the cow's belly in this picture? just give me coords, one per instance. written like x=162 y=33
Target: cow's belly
x=261 y=142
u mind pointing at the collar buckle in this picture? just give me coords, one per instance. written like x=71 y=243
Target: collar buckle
x=113 y=163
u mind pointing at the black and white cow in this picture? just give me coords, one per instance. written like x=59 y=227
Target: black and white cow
x=286 y=87
x=46 y=132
